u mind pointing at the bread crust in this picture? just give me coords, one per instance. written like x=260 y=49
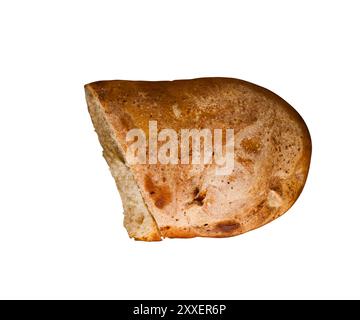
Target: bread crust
x=272 y=152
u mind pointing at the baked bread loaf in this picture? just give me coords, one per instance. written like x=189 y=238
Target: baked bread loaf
x=272 y=150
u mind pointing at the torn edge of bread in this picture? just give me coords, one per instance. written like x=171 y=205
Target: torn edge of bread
x=138 y=221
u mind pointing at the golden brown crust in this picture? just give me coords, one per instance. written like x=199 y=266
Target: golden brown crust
x=272 y=152
x=154 y=236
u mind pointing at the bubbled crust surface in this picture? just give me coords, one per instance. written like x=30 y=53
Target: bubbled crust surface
x=272 y=152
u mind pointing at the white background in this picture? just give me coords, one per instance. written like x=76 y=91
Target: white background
x=61 y=233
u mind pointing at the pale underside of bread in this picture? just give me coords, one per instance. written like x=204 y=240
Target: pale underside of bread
x=272 y=155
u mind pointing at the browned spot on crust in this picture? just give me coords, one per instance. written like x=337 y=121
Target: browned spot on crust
x=199 y=197
x=160 y=202
x=251 y=145
x=275 y=184
x=176 y=232
x=248 y=164
x=149 y=185
x=150 y=237
x=196 y=191
x=227 y=226
x=161 y=195
x=125 y=122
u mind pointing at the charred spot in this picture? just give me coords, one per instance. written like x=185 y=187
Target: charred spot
x=161 y=195
x=196 y=191
x=227 y=226
x=199 y=197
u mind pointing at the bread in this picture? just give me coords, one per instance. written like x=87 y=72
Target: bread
x=272 y=150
